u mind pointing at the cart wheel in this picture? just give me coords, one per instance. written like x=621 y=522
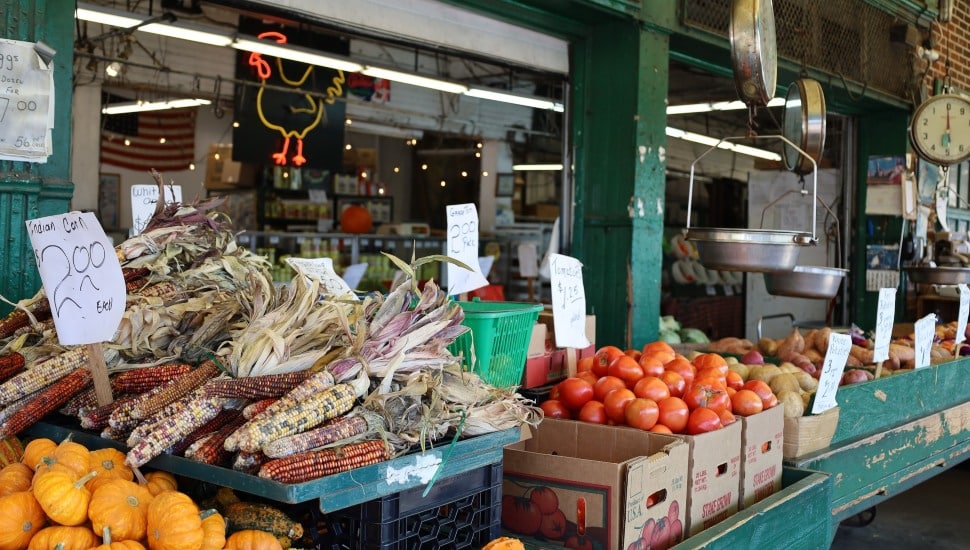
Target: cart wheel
x=861 y=519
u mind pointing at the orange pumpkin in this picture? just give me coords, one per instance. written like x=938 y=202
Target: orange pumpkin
x=159 y=481
x=63 y=497
x=214 y=527
x=21 y=519
x=504 y=543
x=61 y=537
x=121 y=505
x=36 y=450
x=356 y=219
x=110 y=464
x=251 y=539
x=174 y=523
x=15 y=477
x=108 y=544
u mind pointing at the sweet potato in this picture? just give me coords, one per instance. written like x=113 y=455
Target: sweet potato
x=810 y=339
x=822 y=340
x=814 y=356
x=768 y=347
x=793 y=343
x=864 y=355
x=902 y=352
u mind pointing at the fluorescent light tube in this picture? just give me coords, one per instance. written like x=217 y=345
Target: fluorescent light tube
x=717 y=106
x=536 y=167
x=381 y=130
x=295 y=53
x=125 y=20
x=106 y=16
x=139 y=107
x=415 y=80
x=711 y=142
x=184 y=32
x=516 y=99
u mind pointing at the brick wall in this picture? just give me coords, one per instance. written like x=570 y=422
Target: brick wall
x=953 y=42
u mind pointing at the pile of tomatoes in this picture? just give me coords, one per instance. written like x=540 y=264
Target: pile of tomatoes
x=657 y=389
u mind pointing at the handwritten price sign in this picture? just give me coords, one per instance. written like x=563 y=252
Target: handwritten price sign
x=144 y=198
x=832 y=368
x=463 y=246
x=568 y=301
x=885 y=314
x=81 y=275
x=963 y=313
x=26 y=85
x=321 y=269
x=924 y=332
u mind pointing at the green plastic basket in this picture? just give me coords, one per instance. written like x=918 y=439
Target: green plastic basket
x=500 y=332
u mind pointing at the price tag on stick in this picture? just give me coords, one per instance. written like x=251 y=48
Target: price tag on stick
x=83 y=282
x=463 y=246
x=568 y=301
x=885 y=315
x=962 y=316
x=925 y=331
x=144 y=199
x=321 y=269
x=832 y=368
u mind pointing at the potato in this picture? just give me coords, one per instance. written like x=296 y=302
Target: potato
x=807 y=397
x=814 y=356
x=822 y=340
x=764 y=373
x=767 y=347
x=805 y=381
x=902 y=352
x=793 y=343
x=864 y=355
x=853 y=361
x=792 y=401
x=741 y=369
x=694 y=354
x=731 y=360
x=788 y=366
x=784 y=381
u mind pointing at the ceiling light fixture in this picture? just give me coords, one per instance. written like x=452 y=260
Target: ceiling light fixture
x=415 y=80
x=381 y=130
x=515 y=99
x=142 y=106
x=536 y=167
x=717 y=106
x=295 y=53
x=709 y=141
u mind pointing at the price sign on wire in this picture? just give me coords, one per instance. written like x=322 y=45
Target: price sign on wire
x=321 y=269
x=144 y=198
x=885 y=315
x=925 y=332
x=962 y=315
x=832 y=368
x=568 y=301
x=463 y=246
x=26 y=103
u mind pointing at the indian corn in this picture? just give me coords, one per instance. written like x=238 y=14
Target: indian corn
x=46 y=402
x=43 y=374
x=143 y=379
x=175 y=389
x=335 y=430
x=257 y=387
x=313 y=464
x=166 y=434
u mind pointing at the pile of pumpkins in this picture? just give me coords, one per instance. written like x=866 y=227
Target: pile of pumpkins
x=63 y=496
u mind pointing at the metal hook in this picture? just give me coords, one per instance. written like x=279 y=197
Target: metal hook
x=848 y=92
x=217 y=109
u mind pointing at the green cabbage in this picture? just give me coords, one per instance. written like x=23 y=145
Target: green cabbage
x=694 y=336
x=669 y=336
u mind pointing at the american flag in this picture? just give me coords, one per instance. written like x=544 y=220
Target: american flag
x=163 y=140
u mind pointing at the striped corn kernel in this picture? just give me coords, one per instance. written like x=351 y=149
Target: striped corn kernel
x=46 y=402
x=14 y=320
x=164 y=289
x=8 y=411
x=114 y=434
x=10 y=364
x=43 y=374
x=257 y=387
x=176 y=389
x=224 y=417
x=249 y=463
x=196 y=413
x=122 y=419
x=251 y=410
x=98 y=417
x=306 y=414
x=314 y=464
x=213 y=451
x=132 y=273
x=86 y=400
x=39 y=328
x=143 y=379
x=147 y=425
x=340 y=428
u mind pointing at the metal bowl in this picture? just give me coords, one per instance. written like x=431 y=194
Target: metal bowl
x=805 y=282
x=748 y=249
x=938 y=275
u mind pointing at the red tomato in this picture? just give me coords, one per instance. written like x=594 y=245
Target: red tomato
x=545 y=498
x=660 y=350
x=734 y=380
x=659 y=428
x=707 y=395
x=605 y=385
x=651 y=365
x=682 y=367
x=616 y=402
x=553 y=526
x=634 y=353
x=520 y=515
x=712 y=374
x=555 y=409
x=727 y=417
x=763 y=390
x=627 y=369
x=554 y=392
x=675 y=383
x=603 y=357
x=651 y=387
x=746 y=402
x=593 y=412
x=674 y=414
x=588 y=376
x=703 y=420
x=709 y=360
x=575 y=392
x=642 y=413
x=585 y=364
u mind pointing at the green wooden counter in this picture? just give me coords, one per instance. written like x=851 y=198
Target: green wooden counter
x=794 y=518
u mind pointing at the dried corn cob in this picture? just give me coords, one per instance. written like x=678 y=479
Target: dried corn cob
x=98 y=417
x=10 y=364
x=46 y=402
x=176 y=389
x=40 y=328
x=257 y=387
x=132 y=273
x=114 y=434
x=253 y=409
x=224 y=417
x=212 y=451
x=197 y=444
x=196 y=413
x=143 y=379
x=132 y=287
x=313 y=464
x=146 y=426
x=14 y=320
x=164 y=289
x=249 y=463
x=84 y=401
x=8 y=411
x=343 y=427
x=121 y=417
x=43 y=375
x=312 y=411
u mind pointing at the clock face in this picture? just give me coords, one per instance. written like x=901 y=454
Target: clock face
x=753 y=53
x=793 y=126
x=940 y=131
x=804 y=125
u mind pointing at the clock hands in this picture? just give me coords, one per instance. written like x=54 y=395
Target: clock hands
x=945 y=140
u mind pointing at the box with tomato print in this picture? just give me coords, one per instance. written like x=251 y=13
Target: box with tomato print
x=762 y=440
x=582 y=485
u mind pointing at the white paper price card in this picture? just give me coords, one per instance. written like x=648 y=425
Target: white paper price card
x=925 y=331
x=963 y=313
x=463 y=246
x=321 y=269
x=354 y=273
x=832 y=367
x=528 y=260
x=885 y=315
x=144 y=199
x=81 y=275
x=26 y=103
x=568 y=301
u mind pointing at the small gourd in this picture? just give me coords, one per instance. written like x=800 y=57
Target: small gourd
x=63 y=497
x=174 y=522
x=75 y=456
x=63 y=537
x=214 y=530
x=159 y=481
x=122 y=506
x=504 y=543
x=36 y=450
x=21 y=519
x=108 y=544
x=110 y=464
x=15 y=477
x=251 y=539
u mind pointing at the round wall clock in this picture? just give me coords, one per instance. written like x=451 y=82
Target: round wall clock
x=804 y=124
x=753 y=53
x=940 y=131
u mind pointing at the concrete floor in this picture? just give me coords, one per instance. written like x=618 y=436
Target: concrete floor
x=930 y=515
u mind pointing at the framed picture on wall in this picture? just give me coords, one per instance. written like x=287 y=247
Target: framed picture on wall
x=109 y=199
x=505 y=185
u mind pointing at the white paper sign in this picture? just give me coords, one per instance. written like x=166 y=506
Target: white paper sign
x=963 y=314
x=528 y=260
x=463 y=246
x=485 y=264
x=925 y=331
x=26 y=103
x=144 y=198
x=354 y=273
x=321 y=269
x=81 y=275
x=885 y=315
x=568 y=301
x=832 y=368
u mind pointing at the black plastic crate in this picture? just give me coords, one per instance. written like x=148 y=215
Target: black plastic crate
x=462 y=511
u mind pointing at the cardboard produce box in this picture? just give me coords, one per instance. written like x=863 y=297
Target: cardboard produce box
x=713 y=491
x=807 y=434
x=630 y=484
x=762 y=440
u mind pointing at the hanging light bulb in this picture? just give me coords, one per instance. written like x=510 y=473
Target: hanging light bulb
x=380 y=190
x=348 y=147
x=478 y=155
x=396 y=169
x=479 y=145
x=464 y=174
x=485 y=173
x=424 y=166
x=191 y=166
x=348 y=122
x=443 y=183
x=127 y=142
x=218 y=156
x=235 y=124
x=161 y=140
x=112 y=69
